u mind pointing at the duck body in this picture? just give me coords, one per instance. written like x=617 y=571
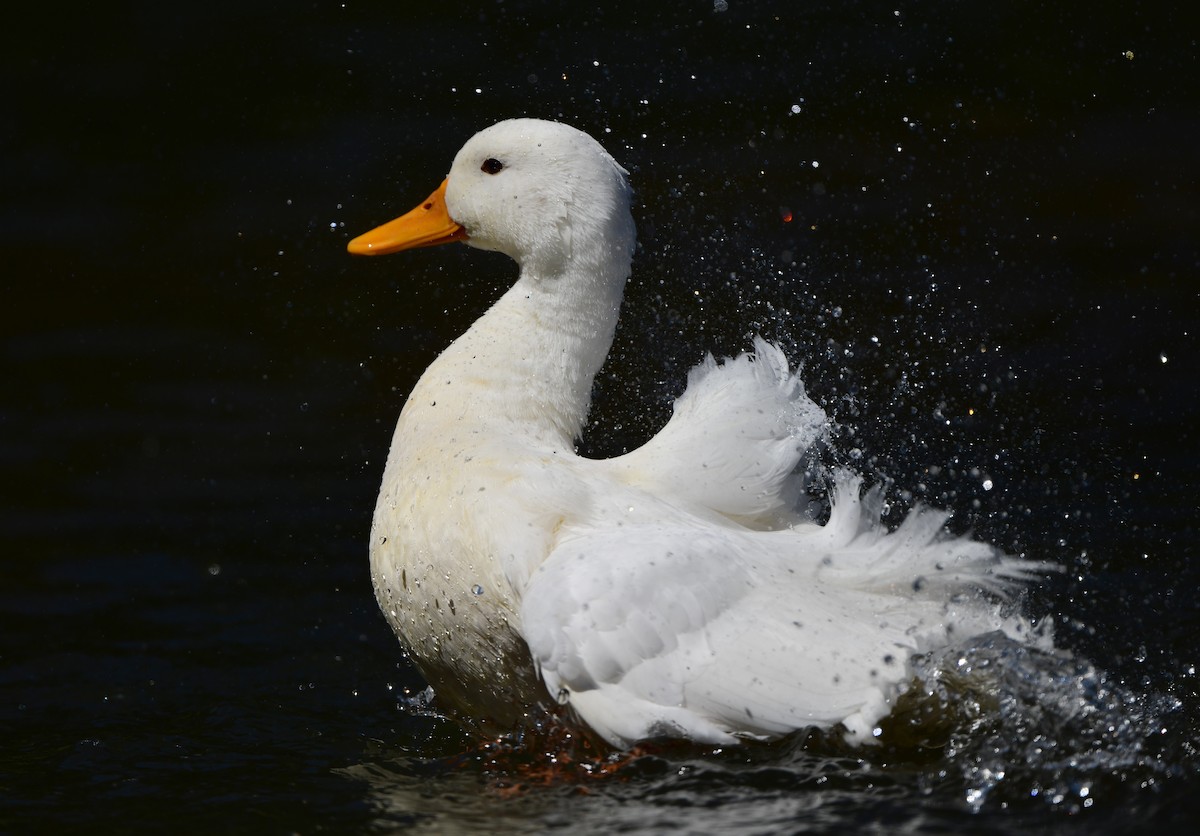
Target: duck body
x=675 y=590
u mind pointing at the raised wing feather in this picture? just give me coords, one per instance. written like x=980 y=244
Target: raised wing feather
x=734 y=441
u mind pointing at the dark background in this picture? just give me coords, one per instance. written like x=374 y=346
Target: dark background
x=975 y=227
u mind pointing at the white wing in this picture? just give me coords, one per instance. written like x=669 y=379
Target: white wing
x=734 y=441
x=713 y=634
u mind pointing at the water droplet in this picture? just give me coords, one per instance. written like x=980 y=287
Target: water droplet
x=564 y=696
x=477 y=590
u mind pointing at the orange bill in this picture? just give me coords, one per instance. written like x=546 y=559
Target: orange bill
x=426 y=226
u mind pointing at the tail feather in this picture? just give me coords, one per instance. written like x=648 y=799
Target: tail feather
x=919 y=555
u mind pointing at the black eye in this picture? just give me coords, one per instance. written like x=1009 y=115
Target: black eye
x=492 y=166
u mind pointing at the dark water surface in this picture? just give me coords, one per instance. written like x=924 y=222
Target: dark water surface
x=976 y=227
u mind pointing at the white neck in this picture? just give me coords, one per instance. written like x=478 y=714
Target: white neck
x=543 y=341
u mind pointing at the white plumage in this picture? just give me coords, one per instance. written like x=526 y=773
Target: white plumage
x=675 y=590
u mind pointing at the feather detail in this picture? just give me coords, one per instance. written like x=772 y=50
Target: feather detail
x=735 y=440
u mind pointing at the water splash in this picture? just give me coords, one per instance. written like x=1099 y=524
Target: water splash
x=1038 y=724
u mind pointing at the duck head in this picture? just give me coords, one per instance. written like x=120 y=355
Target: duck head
x=541 y=192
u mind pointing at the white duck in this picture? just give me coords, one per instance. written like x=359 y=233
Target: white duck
x=675 y=590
